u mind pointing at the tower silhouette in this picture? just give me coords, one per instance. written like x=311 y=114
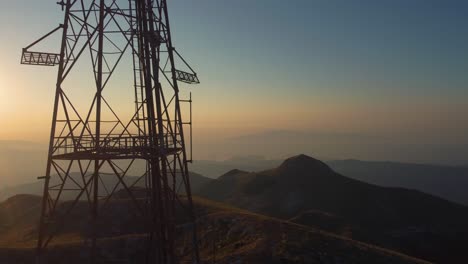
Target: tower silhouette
x=118 y=133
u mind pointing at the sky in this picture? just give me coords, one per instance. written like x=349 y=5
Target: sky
x=394 y=72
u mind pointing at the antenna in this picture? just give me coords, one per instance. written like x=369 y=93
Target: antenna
x=96 y=155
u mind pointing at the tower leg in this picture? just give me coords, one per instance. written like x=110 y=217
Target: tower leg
x=45 y=193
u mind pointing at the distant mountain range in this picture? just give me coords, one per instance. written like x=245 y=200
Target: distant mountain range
x=309 y=192
x=312 y=193
x=36 y=188
x=22 y=161
x=213 y=169
x=448 y=182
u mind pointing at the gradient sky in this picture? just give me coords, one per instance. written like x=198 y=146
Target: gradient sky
x=392 y=69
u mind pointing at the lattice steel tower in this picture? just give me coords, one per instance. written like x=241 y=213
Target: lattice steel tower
x=114 y=52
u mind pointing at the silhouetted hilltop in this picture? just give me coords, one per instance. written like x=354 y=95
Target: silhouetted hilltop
x=16 y=208
x=392 y=217
x=302 y=162
x=232 y=174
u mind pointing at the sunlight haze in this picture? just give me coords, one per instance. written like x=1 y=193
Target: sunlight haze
x=318 y=67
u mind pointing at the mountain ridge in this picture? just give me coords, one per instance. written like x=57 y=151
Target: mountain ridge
x=391 y=217
x=443 y=181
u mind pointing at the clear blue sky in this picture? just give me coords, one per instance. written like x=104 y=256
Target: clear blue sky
x=405 y=47
x=382 y=67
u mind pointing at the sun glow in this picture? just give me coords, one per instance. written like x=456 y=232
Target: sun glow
x=4 y=105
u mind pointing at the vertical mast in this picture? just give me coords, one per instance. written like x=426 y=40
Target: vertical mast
x=179 y=125
x=97 y=139
x=92 y=153
x=45 y=211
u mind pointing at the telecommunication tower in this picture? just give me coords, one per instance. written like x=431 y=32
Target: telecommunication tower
x=99 y=149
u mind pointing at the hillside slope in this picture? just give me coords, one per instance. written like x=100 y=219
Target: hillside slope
x=309 y=192
x=443 y=181
x=227 y=235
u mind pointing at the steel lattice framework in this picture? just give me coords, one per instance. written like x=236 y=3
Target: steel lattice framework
x=91 y=144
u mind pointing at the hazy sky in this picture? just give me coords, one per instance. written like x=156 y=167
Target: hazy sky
x=391 y=69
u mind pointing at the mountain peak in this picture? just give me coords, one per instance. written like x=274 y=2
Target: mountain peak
x=303 y=162
x=232 y=174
